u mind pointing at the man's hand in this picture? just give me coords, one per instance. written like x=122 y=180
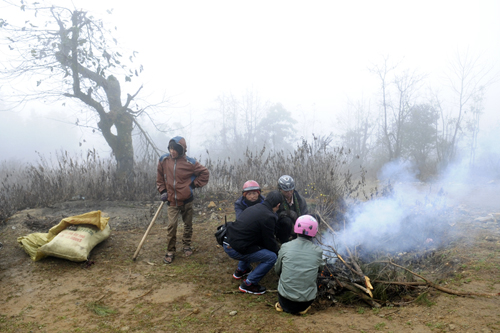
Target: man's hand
x=164 y=197
x=293 y=215
x=282 y=214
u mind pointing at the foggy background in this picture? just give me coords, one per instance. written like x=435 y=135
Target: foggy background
x=313 y=59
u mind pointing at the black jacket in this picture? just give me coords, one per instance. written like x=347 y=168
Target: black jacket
x=241 y=204
x=253 y=230
x=299 y=206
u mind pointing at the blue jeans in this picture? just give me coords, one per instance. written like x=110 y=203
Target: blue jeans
x=265 y=257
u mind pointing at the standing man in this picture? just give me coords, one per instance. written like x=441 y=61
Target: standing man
x=251 y=239
x=298 y=264
x=292 y=206
x=177 y=176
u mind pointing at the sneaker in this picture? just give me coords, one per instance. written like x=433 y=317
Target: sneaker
x=238 y=274
x=278 y=307
x=252 y=288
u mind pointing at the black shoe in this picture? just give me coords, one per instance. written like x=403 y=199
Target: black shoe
x=256 y=289
x=238 y=274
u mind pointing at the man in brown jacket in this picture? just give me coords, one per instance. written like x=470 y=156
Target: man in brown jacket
x=177 y=176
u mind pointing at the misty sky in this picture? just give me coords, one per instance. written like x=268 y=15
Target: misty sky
x=313 y=57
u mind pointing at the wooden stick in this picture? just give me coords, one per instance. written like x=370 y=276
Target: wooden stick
x=409 y=284
x=366 y=290
x=147 y=231
x=443 y=289
x=354 y=263
x=365 y=298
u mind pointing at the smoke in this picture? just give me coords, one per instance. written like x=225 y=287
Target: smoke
x=414 y=215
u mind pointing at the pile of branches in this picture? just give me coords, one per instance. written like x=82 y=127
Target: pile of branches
x=346 y=278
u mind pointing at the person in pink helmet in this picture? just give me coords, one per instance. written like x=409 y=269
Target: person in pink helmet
x=250 y=196
x=297 y=266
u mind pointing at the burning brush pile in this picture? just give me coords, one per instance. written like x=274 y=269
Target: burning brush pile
x=378 y=254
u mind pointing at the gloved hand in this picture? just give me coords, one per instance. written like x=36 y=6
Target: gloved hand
x=282 y=214
x=164 y=197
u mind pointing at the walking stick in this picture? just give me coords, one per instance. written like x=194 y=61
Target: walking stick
x=147 y=231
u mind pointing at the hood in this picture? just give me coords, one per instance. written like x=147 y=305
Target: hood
x=180 y=141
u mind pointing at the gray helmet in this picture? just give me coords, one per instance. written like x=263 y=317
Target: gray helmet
x=286 y=183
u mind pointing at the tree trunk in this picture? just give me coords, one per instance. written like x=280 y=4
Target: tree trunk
x=121 y=142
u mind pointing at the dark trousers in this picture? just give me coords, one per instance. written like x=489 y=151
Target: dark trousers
x=292 y=306
x=265 y=258
x=284 y=229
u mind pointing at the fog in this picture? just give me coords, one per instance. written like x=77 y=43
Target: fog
x=314 y=59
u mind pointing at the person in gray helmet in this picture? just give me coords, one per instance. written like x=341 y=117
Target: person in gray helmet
x=292 y=206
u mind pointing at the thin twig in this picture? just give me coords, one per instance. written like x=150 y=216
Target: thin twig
x=354 y=263
x=211 y=313
x=130 y=300
x=239 y=292
x=322 y=220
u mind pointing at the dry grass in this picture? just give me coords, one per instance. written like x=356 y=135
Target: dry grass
x=320 y=173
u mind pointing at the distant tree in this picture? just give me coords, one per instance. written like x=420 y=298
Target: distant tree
x=69 y=53
x=472 y=124
x=419 y=139
x=468 y=79
x=223 y=118
x=248 y=123
x=251 y=113
x=277 y=128
x=356 y=127
x=398 y=91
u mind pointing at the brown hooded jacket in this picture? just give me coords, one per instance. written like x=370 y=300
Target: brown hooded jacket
x=179 y=176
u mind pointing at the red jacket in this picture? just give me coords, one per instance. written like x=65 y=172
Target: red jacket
x=179 y=176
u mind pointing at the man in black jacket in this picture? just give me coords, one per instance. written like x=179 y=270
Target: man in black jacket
x=251 y=239
x=292 y=206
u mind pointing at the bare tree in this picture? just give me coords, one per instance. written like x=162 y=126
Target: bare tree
x=252 y=111
x=398 y=91
x=69 y=53
x=476 y=110
x=228 y=133
x=382 y=71
x=468 y=79
x=356 y=126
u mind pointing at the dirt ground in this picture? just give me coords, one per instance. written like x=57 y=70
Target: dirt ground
x=113 y=293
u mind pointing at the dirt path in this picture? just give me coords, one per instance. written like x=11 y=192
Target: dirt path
x=198 y=293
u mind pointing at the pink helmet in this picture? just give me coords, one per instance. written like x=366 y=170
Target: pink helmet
x=251 y=185
x=306 y=225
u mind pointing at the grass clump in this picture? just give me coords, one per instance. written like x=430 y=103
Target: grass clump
x=100 y=309
x=422 y=299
